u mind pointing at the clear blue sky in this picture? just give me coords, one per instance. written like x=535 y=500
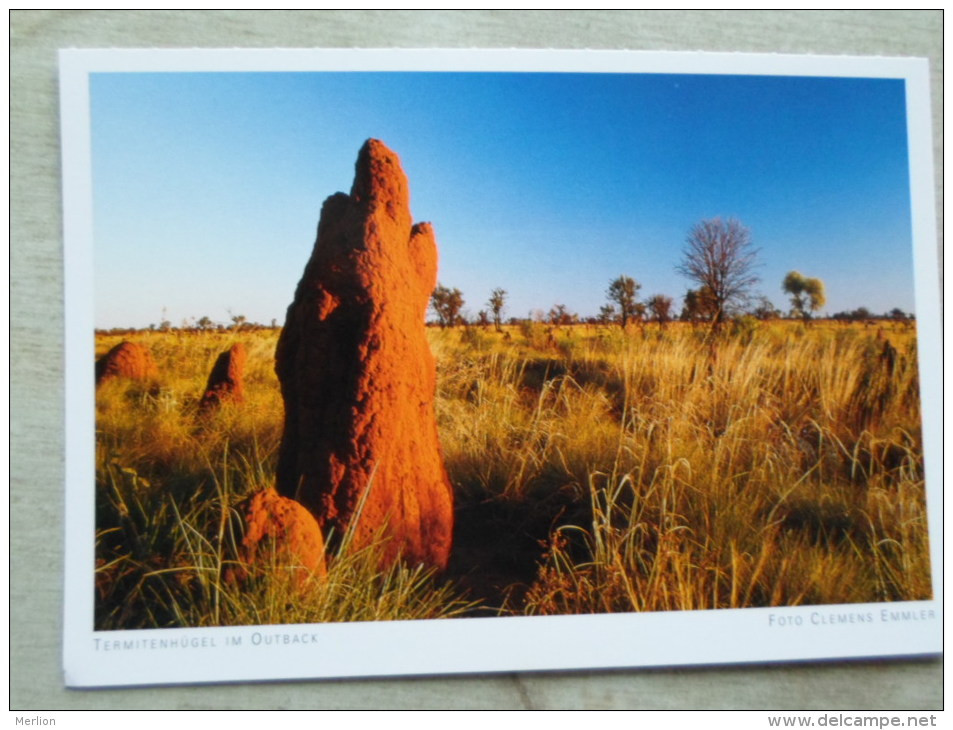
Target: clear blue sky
x=207 y=187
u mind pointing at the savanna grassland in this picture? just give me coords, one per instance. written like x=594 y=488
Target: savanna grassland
x=595 y=469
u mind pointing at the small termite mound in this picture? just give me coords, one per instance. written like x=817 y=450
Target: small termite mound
x=277 y=533
x=126 y=360
x=226 y=381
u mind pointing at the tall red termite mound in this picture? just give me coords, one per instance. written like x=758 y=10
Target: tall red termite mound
x=357 y=376
x=126 y=360
x=226 y=381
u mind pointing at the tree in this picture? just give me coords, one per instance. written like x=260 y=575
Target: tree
x=807 y=295
x=640 y=310
x=853 y=315
x=447 y=303
x=496 y=303
x=793 y=284
x=623 y=291
x=699 y=305
x=765 y=309
x=606 y=314
x=661 y=307
x=204 y=323
x=719 y=255
x=559 y=315
x=861 y=314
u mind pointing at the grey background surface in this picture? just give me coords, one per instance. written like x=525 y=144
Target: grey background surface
x=37 y=441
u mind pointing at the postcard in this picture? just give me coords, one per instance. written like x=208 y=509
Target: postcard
x=437 y=362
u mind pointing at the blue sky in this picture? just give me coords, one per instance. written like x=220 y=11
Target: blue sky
x=207 y=186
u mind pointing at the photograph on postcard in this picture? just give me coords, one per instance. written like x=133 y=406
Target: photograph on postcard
x=404 y=345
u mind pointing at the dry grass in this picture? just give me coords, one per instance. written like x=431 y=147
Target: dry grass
x=595 y=470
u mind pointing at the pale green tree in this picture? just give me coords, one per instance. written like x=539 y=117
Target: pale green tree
x=807 y=294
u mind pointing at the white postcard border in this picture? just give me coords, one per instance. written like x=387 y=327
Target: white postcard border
x=473 y=645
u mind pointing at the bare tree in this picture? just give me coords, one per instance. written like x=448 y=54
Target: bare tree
x=623 y=291
x=719 y=255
